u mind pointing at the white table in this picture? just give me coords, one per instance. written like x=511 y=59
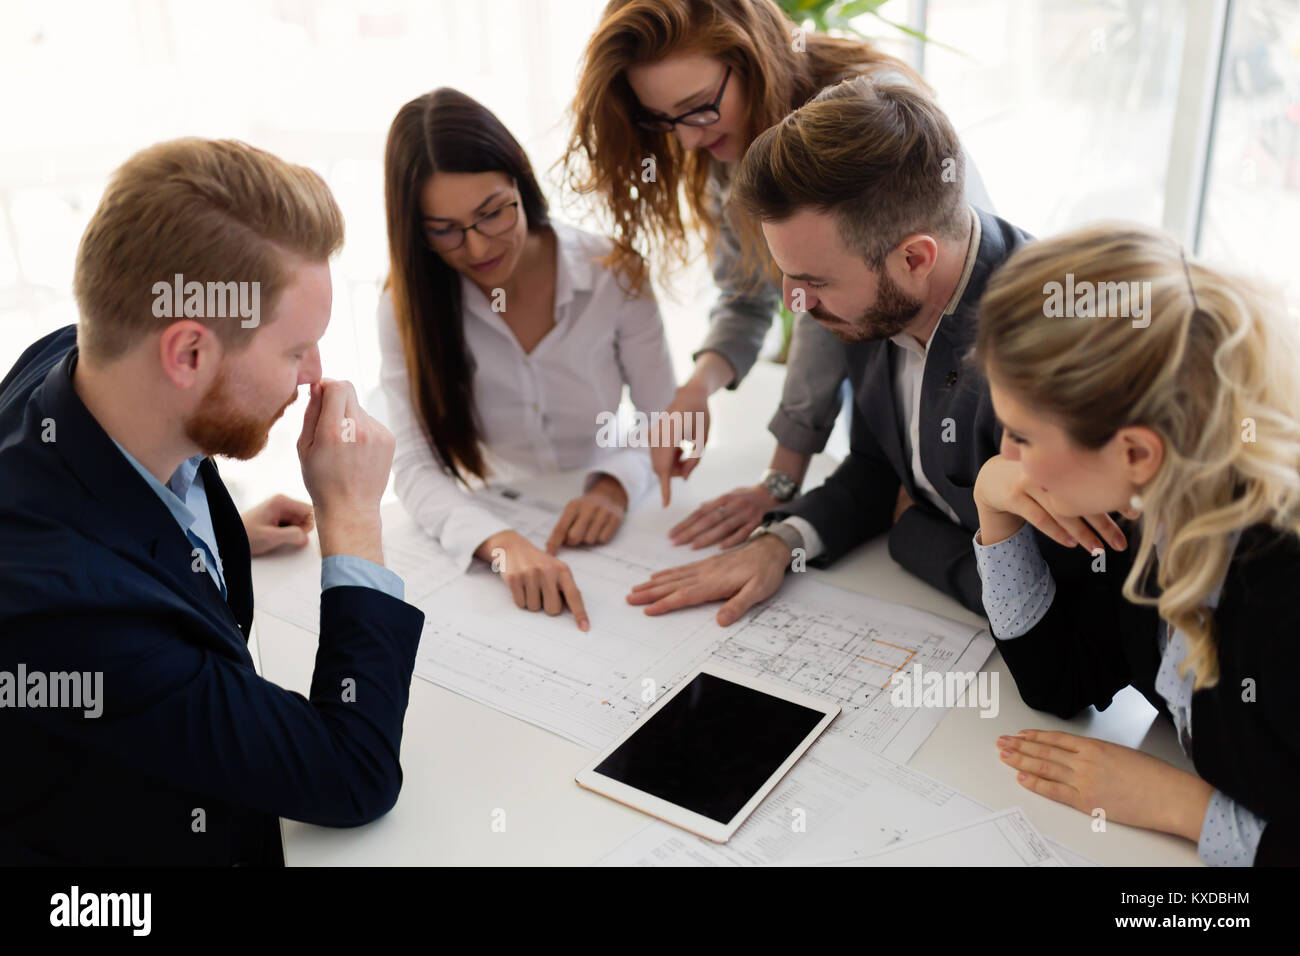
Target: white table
x=463 y=761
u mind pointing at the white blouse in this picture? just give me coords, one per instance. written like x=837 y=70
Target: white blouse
x=541 y=411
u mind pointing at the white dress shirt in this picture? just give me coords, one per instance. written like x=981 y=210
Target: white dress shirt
x=540 y=411
x=909 y=373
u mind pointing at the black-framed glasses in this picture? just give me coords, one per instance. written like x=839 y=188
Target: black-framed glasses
x=496 y=223
x=700 y=116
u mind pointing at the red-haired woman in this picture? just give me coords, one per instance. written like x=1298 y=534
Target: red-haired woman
x=671 y=94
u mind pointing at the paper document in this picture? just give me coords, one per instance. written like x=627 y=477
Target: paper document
x=838 y=800
x=1069 y=857
x=1003 y=839
x=590 y=687
x=408 y=551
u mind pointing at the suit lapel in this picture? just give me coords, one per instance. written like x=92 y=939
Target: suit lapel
x=232 y=540
x=942 y=398
x=877 y=405
x=948 y=377
x=130 y=520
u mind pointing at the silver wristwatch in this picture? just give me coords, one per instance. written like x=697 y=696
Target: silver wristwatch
x=778 y=484
x=787 y=533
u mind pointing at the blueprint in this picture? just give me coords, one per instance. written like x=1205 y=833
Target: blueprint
x=591 y=687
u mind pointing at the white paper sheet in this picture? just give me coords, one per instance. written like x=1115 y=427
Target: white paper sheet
x=1069 y=857
x=1002 y=839
x=837 y=801
x=590 y=687
x=417 y=560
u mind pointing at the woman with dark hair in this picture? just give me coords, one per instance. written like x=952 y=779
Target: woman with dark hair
x=506 y=346
x=670 y=96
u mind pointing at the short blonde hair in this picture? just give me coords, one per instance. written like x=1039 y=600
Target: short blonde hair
x=1212 y=371
x=210 y=210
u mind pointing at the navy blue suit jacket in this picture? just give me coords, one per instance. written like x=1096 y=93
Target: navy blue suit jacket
x=96 y=575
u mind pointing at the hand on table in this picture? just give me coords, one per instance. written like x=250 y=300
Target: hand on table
x=591 y=518
x=277 y=521
x=742 y=578
x=1088 y=774
x=537 y=580
x=726 y=520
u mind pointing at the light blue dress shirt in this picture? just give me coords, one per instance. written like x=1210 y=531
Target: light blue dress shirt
x=187 y=500
x=1018 y=592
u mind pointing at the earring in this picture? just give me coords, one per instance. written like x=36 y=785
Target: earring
x=1135 y=502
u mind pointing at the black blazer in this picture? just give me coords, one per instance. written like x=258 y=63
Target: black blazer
x=958 y=433
x=96 y=575
x=1092 y=643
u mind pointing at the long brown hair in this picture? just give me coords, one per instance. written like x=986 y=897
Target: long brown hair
x=607 y=148
x=443 y=131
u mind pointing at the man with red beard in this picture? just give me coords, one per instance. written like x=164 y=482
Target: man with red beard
x=124 y=561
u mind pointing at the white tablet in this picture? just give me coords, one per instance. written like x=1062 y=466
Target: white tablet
x=705 y=755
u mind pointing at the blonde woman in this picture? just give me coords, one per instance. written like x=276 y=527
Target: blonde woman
x=1173 y=401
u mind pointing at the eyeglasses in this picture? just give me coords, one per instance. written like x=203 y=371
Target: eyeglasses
x=700 y=116
x=498 y=222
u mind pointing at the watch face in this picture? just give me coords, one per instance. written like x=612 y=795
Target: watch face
x=780 y=487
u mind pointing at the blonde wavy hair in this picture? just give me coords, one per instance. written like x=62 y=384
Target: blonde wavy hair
x=1214 y=374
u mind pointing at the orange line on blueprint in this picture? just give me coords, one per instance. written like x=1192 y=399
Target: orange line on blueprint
x=910 y=655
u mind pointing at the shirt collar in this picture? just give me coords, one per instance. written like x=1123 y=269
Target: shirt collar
x=575 y=271
x=904 y=340
x=177 y=489
x=972 y=253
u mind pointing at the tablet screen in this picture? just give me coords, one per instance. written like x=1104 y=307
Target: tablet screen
x=711 y=747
